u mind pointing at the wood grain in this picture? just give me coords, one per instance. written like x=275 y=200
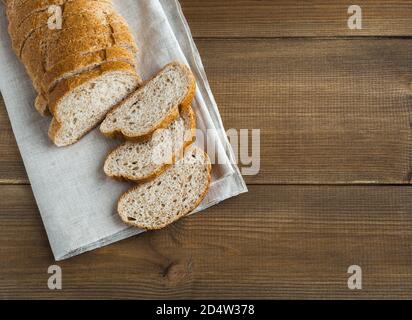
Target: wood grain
x=275 y=242
x=11 y=165
x=329 y=111
x=332 y=111
x=295 y=18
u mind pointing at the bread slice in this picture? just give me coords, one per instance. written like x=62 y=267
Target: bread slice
x=81 y=102
x=169 y=197
x=146 y=160
x=153 y=106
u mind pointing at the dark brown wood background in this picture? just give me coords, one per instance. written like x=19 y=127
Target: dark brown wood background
x=334 y=108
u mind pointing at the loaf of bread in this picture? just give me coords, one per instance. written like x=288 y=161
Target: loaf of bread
x=170 y=196
x=154 y=105
x=146 y=160
x=80 y=71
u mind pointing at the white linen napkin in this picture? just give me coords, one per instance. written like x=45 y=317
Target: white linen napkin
x=77 y=202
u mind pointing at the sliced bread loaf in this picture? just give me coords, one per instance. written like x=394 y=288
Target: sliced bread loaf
x=146 y=160
x=169 y=197
x=155 y=105
x=79 y=90
x=34 y=58
x=40 y=58
x=79 y=103
x=49 y=47
x=75 y=65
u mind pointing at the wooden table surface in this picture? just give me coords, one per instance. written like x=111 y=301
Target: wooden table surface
x=335 y=111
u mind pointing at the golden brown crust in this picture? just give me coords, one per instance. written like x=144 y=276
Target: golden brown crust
x=161 y=226
x=188 y=142
x=18 y=13
x=89 y=44
x=83 y=63
x=54 y=46
x=33 y=66
x=191 y=94
x=41 y=105
x=172 y=116
x=89 y=27
x=74 y=14
x=66 y=86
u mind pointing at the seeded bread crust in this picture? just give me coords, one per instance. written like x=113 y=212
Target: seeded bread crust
x=46 y=48
x=181 y=214
x=84 y=63
x=17 y=14
x=41 y=105
x=190 y=127
x=166 y=121
x=86 y=26
x=90 y=44
x=74 y=13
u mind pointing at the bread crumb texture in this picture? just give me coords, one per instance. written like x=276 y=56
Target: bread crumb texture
x=169 y=197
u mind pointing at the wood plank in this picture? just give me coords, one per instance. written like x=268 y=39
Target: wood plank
x=294 y=18
x=329 y=111
x=11 y=165
x=275 y=242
